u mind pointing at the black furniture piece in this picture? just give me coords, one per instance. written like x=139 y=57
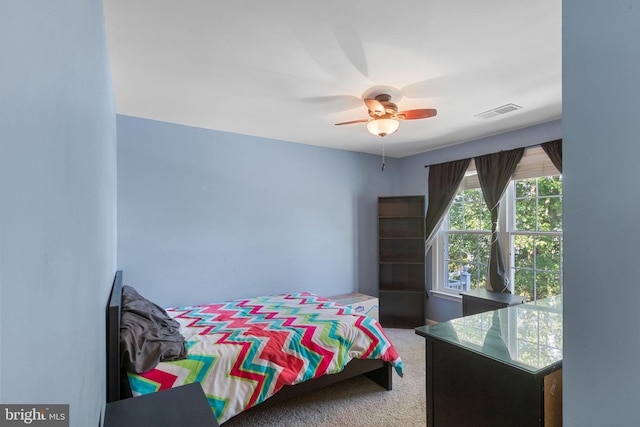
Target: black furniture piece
x=180 y=406
x=480 y=300
x=499 y=368
x=401 y=261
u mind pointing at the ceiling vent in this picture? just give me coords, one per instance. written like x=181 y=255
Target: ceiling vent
x=503 y=109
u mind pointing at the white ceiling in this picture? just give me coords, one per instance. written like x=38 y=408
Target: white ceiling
x=290 y=69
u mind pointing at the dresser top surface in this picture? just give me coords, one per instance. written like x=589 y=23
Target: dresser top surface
x=526 y=336
x=483 y=294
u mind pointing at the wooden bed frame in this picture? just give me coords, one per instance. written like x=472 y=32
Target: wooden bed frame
x=118 y=384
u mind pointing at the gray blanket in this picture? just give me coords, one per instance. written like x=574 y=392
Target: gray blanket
x=148 y=335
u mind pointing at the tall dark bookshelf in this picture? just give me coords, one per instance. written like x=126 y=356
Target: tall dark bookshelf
x=401 y=261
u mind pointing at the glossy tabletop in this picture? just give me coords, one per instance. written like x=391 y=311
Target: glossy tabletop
x=526 y=336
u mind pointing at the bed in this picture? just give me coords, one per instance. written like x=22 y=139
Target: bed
x=248 y=351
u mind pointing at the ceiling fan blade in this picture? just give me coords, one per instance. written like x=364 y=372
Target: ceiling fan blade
x=421 y=113
x=375 y=106
x=352 y=122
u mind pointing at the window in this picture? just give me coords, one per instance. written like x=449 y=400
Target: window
x=537 y=237
x=468 y=241
x=529 y=229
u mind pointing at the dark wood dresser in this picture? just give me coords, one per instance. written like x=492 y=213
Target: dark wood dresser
x=480 y=300
x=498 y=368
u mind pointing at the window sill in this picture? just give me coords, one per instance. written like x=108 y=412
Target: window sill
x=446 y=295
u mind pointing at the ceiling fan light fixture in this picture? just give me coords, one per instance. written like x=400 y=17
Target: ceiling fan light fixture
x=383 y=127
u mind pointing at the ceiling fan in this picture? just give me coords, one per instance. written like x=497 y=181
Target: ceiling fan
x=384 y=115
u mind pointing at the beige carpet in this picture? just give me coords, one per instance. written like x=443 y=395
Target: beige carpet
x=357 y=402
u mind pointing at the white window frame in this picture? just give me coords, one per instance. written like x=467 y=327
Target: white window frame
x=511 y=232
x=535 y=163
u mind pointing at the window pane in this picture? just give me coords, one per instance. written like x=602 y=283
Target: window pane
x=470 y=246
x=539 y=204
x=547 y=284
x=456 y=221
x=482 y=276
x=525 y=188
x=478 y=276
x=523 y=249
x=485 y=218
x=524 y=281
x=468 y=211
x=453 y=245
x=474 y=196
x=549 y=186
x=459 y=276
x=548 y=253
x=472 y=212
x=538 y=262
x=467 y=259
x=454 y=275
x=550 y=214
x=484 y=248
x=526 y=214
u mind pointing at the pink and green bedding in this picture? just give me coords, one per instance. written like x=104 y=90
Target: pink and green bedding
x=244 y=351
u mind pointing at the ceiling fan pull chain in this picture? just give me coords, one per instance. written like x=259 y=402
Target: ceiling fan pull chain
x=383 y=165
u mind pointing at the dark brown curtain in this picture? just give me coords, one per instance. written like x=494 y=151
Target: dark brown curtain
x=444 y=180
x=554 y=151
x=494 y=173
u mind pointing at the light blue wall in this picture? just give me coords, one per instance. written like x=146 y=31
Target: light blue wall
x=208 y=216
x=414 y=176
x=220 y=215
x=601 y=92
x=57 y=209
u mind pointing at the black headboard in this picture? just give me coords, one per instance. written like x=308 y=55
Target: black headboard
x=114 y=373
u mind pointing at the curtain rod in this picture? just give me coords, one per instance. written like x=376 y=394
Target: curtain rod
x=525 y=147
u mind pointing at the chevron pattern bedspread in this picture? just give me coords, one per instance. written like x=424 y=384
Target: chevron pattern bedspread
x=244 y=351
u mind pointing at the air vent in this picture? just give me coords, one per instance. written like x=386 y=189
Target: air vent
x=503 y=109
